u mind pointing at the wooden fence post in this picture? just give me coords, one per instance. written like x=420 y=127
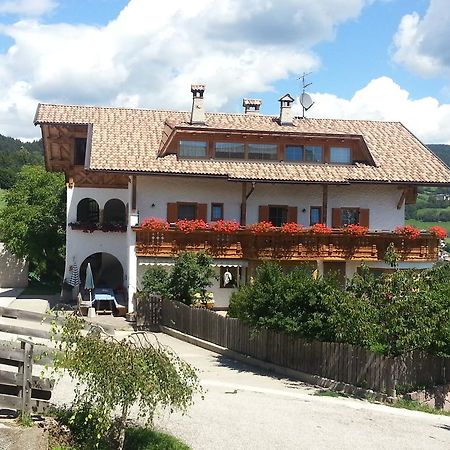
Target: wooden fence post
x=26 y=370
x=391 y=381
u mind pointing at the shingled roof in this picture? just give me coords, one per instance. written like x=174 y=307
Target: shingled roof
x=128 y=140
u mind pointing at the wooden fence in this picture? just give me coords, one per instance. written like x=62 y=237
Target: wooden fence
x=21 y=390
x=333 y=360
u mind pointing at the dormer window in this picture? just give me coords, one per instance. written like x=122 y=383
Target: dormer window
x=266 y=152
x=303 y=153
x=193 y=149
x=229 y=150
x=340 y=155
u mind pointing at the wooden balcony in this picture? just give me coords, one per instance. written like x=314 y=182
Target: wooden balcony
x=243 y=244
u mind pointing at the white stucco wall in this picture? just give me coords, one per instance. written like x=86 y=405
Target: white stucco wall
x=158 y=191
x=80 y=245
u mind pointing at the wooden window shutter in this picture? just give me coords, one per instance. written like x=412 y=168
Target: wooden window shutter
x=292 y=214
x=202 y=211
x=336 y=217
x=364 y=217
x=172 y=212
x=263 y=213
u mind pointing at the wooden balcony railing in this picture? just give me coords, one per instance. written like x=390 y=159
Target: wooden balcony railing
x=278 y=246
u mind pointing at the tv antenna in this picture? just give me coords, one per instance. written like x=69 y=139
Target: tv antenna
x=305 y=99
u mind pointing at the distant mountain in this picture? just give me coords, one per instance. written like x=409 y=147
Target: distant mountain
x=442 y=151
x=14 y=154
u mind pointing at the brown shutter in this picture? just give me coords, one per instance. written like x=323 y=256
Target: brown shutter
x=172 y=212
x=202 y=211
x=336 y=217
x=292 y=214
x=364 y=217
x=263 y=213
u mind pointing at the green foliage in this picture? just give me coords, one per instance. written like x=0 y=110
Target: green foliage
x=293 y=302
x=390 y=314
x=113 y=374
x=192 y=273
x=156 y=281
x=32 y=223
x=25 y=420
x=147 y=439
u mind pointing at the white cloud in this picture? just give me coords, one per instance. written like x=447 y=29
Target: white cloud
x=421 y=43
x=27 y=8
x=152 y=51
x=383 y=99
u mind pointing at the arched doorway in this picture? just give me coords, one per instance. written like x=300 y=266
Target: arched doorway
x=106 y=269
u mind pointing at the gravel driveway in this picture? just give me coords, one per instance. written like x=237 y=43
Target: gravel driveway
x=245 y=408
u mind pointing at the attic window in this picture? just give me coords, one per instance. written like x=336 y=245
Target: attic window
x=193 y=149
x=230 y=150
x=340 y=155
x=80 y=151
x=267 y=152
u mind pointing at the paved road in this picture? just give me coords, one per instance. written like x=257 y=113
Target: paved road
x=245 y=408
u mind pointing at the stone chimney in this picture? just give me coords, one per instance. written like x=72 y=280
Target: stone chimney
x=198 y=111
x=251 y=106
x=286 y=110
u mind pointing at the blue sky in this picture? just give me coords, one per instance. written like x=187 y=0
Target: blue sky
x=370 y=59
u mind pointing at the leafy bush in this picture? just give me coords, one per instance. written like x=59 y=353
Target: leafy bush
x=293 y=302
x=156 y=281
x=147 y=439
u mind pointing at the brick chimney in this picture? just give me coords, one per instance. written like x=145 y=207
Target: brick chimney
x=286 y=110
x=251 y=106
x=198 y=111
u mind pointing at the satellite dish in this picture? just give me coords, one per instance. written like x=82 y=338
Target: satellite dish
x=306 y=101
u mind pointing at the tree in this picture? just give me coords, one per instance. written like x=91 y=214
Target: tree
x=32 y=223
x=192 y=273
x=116 y=374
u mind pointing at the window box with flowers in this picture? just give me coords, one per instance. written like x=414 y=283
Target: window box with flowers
x=320 y=229
x=355 y=230
x=261 y=227
x=291 y=228
x=439 y=232
x=407 y=231
x=85 y=227
x=155 y=224
x=224 y=226
x=113 y=227
x=189 y=226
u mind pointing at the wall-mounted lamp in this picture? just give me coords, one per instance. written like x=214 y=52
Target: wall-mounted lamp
x=153 y=205
x=303 y=210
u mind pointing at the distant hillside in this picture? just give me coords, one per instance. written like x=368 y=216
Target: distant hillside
x=14 y=154
x=442 y=151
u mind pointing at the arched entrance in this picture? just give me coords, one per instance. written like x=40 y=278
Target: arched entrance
x=107 y=271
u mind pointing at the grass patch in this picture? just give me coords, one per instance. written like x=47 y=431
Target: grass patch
x=416 y=406
x=327 y=393
x=425 y=225
x=42 y=288
x=147 y=439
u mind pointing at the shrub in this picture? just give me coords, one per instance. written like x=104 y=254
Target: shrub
x=156 y=281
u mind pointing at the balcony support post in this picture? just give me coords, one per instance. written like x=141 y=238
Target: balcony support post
x=324 y=203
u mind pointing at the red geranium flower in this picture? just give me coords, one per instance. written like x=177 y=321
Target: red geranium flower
x=261 y=227
x=356 y=230
x=408 y=231
x=188 y=226
x=320 y=228
x=224 y=226
x=439 y=232
x=155 y=224
x=291 y=228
